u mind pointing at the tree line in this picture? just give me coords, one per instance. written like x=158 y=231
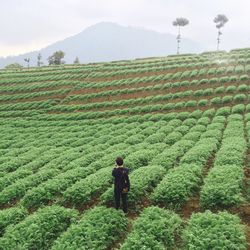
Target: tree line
x=55 y=59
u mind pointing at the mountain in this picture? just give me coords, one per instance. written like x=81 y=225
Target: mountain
x=108 y=42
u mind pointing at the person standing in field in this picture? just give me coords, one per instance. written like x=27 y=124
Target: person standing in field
x=121 y=184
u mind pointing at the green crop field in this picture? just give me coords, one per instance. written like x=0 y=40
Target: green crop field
x=182 y=124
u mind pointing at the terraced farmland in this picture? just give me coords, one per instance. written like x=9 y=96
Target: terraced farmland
x=182 y=124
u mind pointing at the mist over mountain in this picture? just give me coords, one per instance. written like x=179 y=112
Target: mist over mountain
x=108 y=42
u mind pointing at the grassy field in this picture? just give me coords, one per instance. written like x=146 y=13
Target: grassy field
x=182 y=124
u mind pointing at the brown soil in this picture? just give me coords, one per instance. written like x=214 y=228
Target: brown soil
x=12 y=203
x=209 y=165
x=192 y=206
x=89 y=205
x=247 y=173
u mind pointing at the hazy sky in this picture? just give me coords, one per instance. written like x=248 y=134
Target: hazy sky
x=27 y=25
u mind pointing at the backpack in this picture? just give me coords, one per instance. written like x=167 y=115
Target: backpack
x=124 y=181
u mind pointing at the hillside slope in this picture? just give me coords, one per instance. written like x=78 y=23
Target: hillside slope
x=182 y=125
x=184 y=83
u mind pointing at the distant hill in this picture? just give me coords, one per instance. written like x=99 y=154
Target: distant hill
x=109 y=41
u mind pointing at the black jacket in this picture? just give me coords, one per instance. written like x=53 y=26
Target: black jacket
x=118 y=173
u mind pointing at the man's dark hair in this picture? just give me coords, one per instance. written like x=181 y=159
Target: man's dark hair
x=119 y=161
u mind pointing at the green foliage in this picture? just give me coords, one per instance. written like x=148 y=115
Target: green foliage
x=84 y=190
x=179 y=105
x=189 y=122
x=227 y=99
x=175 y=122
x=230 y=153
x=214 y=231
x=198 y=92
x=56 y=58
x=182 y=129
x=93 y=231
x=39 y=229
x=231 y=89
x=240 y=98
x=233 y=78
x=201 y=152
x=242 y=88
x=49 y=190
x=208 y=91
x=215 y=100
x=178 y=185
x=222 y=187
x=191 y=104
x=224 y=79
x=139 y=158
x=14 y=66
x=173 y=137
x=18 y=188
x=203 y=81
x=168 y=157
x=214 y=80
x=248 y=107
x=223 y=111
x=203 y=102
x=219 y=90
x=155 y=138
x=209 y=113
x=238 y=109
x=11 y=216
x=239 y=69
x=154 y=229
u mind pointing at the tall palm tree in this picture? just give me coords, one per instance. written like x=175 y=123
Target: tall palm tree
x=220 y=21
x=180 y=22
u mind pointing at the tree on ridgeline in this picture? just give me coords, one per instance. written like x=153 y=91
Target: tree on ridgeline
x=27 y=60
x=180 y=22
x=14 y=66
x=56 y=58
x=220 y=21
x=76 y=61
x=39 y=58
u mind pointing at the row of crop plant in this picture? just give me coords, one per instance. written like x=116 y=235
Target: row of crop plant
x=223 y=185
x=187 y=98
x=101 y=228
x=220 y=72
x=197 y=88
x=123 y=72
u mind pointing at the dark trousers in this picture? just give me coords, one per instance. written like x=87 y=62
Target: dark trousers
x=118 y=194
